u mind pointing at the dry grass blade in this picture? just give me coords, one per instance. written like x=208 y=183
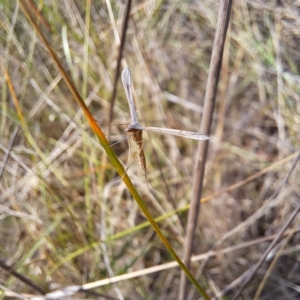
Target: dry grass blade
x=38 y=14
x=8 y=152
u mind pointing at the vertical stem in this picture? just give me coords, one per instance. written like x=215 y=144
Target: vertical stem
x=122 y=44
x=209 y=102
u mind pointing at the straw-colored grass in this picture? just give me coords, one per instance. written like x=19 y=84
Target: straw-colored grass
x=66 y=217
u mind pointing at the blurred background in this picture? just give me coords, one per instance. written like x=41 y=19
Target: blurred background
x=66 y=217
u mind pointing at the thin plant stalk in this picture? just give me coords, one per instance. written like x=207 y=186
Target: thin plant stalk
x=119 y=59
x=209 y=103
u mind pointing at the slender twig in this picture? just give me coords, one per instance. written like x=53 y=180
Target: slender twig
x=278 y=255
x=119 y=59
x=209 y=102
x=21 y=277
x=11 y=143
x=228 y=289
x=38 y=14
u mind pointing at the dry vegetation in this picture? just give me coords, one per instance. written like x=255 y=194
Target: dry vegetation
x=60 y=196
